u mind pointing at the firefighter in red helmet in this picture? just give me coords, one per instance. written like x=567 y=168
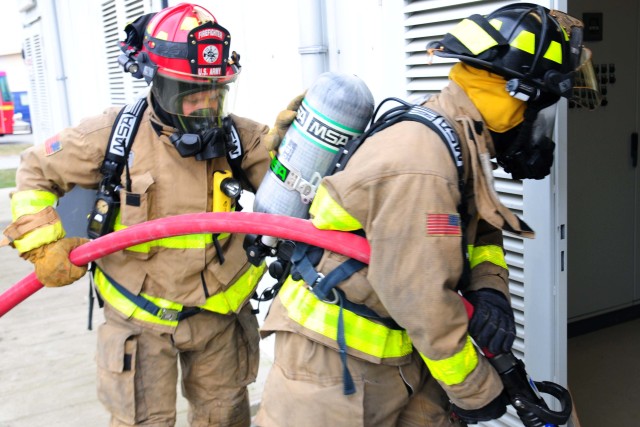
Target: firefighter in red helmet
x=178 y=302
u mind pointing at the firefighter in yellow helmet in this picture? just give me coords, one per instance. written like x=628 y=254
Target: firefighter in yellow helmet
x=179 y=300
x=391 y=344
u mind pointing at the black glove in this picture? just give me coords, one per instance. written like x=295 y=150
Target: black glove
x=492 y=325
x=491 y=411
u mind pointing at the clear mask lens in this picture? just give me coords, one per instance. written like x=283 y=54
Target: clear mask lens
x=195 y=103
x=586 y=91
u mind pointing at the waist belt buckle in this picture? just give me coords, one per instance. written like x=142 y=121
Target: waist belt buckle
x=332 y=298
x=168 y=314
x=310 y=286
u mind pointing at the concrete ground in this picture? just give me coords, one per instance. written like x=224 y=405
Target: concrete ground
x=47 y=354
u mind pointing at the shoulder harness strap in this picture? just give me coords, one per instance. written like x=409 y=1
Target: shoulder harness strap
x=406 y=111
x=122 y=135
x=235 y=153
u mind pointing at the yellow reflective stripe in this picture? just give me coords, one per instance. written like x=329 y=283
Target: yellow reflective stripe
x=525 y=41
x=455 y=369
x=472 y=36
x=189 y=241
x=231 y=299
x=127 y=307
x=39 y=237
x=491 y=253
x=30 y=202
x=329 y=215
x=361 y=334
x=224 y=302
x=496 y=23
x=554 y=52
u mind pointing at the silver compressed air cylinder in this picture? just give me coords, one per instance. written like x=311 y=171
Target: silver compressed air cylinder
x=336 y=108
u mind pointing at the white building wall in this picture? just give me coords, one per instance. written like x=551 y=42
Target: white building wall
x=14 y=66
x=11 y=46
x=364 y=37
x=82 y=55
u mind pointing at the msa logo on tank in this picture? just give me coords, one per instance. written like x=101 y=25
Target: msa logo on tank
x=321 y=130
x=335 y=109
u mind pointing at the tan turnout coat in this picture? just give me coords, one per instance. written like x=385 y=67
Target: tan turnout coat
x=396 y=179
x=167 y=185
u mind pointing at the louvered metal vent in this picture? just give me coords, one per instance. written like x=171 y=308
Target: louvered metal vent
x=37 y=85
x=115 y=16
x=426 y=21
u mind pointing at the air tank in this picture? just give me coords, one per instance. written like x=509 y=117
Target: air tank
x=336 y=108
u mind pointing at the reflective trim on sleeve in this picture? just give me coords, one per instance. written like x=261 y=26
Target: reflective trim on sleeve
x=329 y=215
x=455 y=369
x=490 y=253
x=30 y=202
x=360 y=333
x=40 y=237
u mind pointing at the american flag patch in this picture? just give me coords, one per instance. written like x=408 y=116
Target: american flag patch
x=443 y=225
x=52 y=145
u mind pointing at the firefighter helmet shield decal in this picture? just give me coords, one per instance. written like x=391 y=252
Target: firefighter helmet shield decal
x=208 y=50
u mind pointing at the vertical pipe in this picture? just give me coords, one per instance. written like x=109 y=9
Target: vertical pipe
x=313 y=48
x=61 y=77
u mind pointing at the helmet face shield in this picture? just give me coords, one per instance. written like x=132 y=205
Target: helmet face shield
x=586 y=91
x=195 y=104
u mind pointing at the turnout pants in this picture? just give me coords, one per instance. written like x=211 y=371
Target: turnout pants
x=138 y=369
x=304 y=388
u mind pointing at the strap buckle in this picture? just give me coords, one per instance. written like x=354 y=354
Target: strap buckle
x=168 y=314
x=332 y=298
x=318 y=280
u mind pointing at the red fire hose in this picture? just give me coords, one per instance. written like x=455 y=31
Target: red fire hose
x=523 y=392
x=281 y=226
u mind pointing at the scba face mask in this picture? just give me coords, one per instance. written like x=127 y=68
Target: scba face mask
x=205 y=143
x=526 y=151
x=198 y=109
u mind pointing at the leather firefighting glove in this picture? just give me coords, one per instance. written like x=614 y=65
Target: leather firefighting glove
x=492 y=325
x=491 y=411
x=284 y=119
x=53 y=267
